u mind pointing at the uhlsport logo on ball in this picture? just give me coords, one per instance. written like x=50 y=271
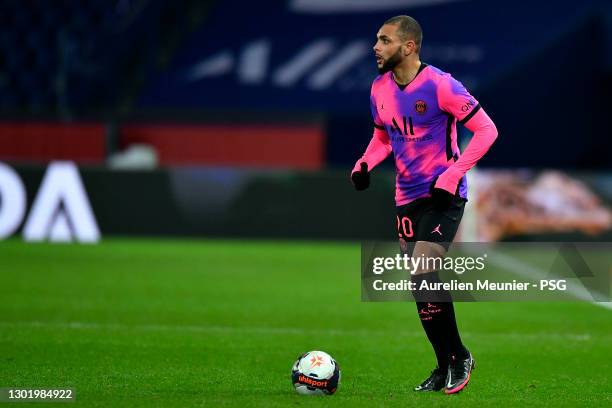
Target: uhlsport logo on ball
x=315 y=373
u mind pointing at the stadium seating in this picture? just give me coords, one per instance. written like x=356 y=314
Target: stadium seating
x=116 y=61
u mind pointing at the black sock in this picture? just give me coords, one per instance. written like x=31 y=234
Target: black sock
x=432 y=329
x=437 y=314
x=456 y=347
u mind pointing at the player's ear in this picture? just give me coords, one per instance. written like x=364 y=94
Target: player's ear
x=409 y=47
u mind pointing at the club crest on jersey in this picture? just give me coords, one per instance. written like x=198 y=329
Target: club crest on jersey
x=420 y=106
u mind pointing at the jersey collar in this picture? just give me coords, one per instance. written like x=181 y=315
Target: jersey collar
x=402 y=87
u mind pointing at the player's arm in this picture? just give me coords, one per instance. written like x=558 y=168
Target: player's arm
x=456 y=100
x=485 y=134
x=378 y=149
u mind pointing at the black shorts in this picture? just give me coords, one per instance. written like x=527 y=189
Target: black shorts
x=420 y=221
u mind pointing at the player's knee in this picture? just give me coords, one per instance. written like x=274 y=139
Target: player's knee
x=430 y=253
x=406 y=247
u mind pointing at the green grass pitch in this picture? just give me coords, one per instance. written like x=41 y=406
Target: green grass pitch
x=219 y=323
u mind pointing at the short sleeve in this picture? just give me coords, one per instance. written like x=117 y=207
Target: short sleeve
x=456 y=100
x=378 y=124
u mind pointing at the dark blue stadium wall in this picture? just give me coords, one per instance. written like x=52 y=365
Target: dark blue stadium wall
x=539 y=68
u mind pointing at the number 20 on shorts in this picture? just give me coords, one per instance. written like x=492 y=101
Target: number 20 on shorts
x=404 y=225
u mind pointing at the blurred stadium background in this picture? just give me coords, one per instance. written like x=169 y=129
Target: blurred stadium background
x=129 y=122
x=208 y=121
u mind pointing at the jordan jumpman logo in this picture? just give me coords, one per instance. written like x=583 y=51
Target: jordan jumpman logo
x=437 y=229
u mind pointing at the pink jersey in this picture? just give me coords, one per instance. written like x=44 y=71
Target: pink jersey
x=419 y=121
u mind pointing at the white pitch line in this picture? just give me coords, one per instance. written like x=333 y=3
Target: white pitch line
x=285 y=330
x=528 y=271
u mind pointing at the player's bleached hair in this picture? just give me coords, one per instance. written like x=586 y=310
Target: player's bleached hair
x=408 y=28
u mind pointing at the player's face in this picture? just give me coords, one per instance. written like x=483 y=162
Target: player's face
x=388 y=48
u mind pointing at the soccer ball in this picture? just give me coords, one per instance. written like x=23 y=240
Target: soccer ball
x=315 y=373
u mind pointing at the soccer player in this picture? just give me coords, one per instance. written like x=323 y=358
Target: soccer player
x=415 y=108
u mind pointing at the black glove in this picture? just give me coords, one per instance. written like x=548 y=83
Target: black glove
x=440 y=198
x=361 y=178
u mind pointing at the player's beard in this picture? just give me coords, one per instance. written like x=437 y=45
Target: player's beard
x=391 y=63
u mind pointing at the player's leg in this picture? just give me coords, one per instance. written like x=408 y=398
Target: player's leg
x=408 y=219
x=429 y=309
x=437 y=315
x=434 y=232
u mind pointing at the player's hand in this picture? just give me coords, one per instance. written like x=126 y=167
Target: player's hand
x=361 y=178
x=440 y=198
